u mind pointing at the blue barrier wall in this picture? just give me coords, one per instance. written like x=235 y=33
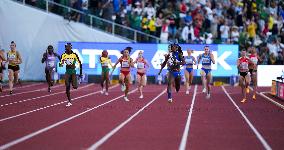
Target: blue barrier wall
x=225 y=55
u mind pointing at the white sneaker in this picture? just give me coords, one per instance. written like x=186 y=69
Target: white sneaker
x=187 y=92
x=106 y=93
x=204 y=90
x=170 y=100
x=123 y=88
x=69 y=104
x=126 y=99
x=103 y=91
x=141 y=97
x=208 y=96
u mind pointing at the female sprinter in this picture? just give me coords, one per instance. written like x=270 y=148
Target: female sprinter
x=244 y=79
x=49 y=57
x=188 y=72
x=105 y=62
x=141 y=72
x=124 y=77
x=70 y=59
x=254 y=58
x=14 y=60
x=173 y=60
x=2 y=67
x=206 y=58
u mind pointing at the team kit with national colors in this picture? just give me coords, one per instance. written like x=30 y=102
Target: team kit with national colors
x=174 y=60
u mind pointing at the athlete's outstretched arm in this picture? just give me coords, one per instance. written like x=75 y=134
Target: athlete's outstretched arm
x=198 y=60
x=113 y=68
x=164 y=63
x=131 y=62
x=212 y=58
x=20 y=58
x=2 y=56
x=62 y=60
x=44 y=57
x=194 y=60
x=80 y=63
x=238 y=63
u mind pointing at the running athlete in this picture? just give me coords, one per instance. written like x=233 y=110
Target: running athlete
x=105 y=62
x=244 y=79
x=124 y=77
x=14 y=60
x=141 y=72
x=49 y=57
x=173 y=60
x=254 y=58
x=70 y=59
x=189 y=62
x=2 y=67
x=206 y=58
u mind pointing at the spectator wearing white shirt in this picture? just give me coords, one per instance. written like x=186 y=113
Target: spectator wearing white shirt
x=185 y=33
x=224 y=29
x=235 y=35
x=149 y=10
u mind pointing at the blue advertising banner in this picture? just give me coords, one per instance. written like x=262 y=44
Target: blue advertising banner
x=225 y=55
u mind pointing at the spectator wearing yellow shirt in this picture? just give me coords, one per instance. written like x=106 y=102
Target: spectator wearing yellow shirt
x=252 y=31
x=270 y=21
x=151 y=26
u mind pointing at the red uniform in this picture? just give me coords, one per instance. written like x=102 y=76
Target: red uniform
x=125 y=66
x=244 y=62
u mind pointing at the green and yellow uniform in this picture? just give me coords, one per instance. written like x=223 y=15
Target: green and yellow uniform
x=105 y=62
x=70 y=75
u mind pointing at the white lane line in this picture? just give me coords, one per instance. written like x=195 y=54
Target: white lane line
x=25 y=86
x=258 y=135
x=30 y=91
x=182 y=145
x=45 y=107
x=24 y=138
x=29 y=99
x=269 y=99
x=112 y=132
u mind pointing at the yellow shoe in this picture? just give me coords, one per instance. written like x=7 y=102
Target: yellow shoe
x=253 y=97
x=247 y=90
x=244 y=100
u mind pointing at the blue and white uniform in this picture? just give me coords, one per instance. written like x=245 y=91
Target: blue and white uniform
x=189 y=63
x=206 y=63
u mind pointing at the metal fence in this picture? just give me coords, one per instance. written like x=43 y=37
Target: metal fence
x=93 y=21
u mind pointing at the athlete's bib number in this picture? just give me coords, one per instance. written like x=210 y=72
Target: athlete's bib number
x=205 y=60
x=105 y=64
x=69 y=61
x=51 y=64
x=188 y=61
x=124 y=64
x=244 y=66
x=254 y=60
x=140 y=65
x=12 y=57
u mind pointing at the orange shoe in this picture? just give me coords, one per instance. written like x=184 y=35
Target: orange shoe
x=244 y=100
x=254 y=97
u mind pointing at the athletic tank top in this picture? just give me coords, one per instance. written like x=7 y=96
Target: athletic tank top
x=189 y=60
x=124 y=63
x=12 y=56
x=140 y=63
x=206 y=60
x=244 y=61
x=50 y=61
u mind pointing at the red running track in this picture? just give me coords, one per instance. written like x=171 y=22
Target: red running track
x=108 y=122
